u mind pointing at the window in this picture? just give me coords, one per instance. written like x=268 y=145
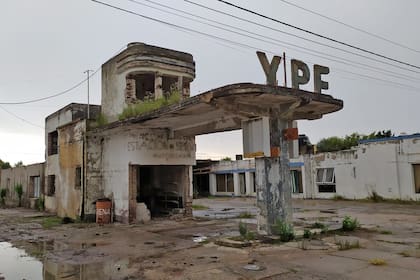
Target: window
x=416 y=171
x=169 y=84
x=296 y=181
x=224 y=183
x=35 y=182
x=325 y=179
x=145 y=86
x=78 y=178
x=53 y=143
x=51 y=185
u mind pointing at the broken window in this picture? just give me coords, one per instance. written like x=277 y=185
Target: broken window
x=144 y=85
x=169 y=85
x=78 y=178
x=416 y=170
x=35 y=182
x=224 y=183
x=51 y=185
x=325 y=179
x=53 y=143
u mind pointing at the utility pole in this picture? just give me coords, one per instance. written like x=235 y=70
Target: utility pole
x=88 y=105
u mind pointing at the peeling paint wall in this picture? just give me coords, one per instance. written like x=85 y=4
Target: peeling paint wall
x=21 y=175
x=110 y=153
x=383 y=167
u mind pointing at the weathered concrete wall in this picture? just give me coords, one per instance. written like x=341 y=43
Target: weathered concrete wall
x=111 y=152
x=21 y=175
x=68 y=193
x=383 y=167
x=140 y=58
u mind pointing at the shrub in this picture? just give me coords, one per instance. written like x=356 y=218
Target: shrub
x=40 y=204
x=375 y=197
x=307 y=234
x=350 y=224
x=19 y=192
x=101 y=120
x=284 y=230
x=3 y=193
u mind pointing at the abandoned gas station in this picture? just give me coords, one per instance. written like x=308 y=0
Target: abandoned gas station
x=141 y=155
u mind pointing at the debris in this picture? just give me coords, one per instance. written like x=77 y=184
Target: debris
x=254 y=267
x=199 y=239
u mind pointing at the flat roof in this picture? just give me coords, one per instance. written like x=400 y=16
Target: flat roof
x=224 y=109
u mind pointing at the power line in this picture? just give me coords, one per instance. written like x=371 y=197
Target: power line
x=299 y=37
x=319 y=35
x=350 y=26
x=323 y=55
x=50 y=96
x=20 y=118
x=178 y=27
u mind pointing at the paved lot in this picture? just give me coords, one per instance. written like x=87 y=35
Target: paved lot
x=166 y=248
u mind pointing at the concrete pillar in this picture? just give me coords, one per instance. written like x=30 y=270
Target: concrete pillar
x=158 y=87
x=236 y=185
x=248 y=186
x=274 y=191
x=212 y=184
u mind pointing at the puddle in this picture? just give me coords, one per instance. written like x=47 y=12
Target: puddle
x=16 y=263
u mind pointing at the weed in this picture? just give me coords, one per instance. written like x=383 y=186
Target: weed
x=347 y=245
x=405 y=254
x=323 y=227
x=385 y=232
x=3 y=193
x=307 y=234
x=377 y=261
x=350 y=224
x=199 y=207
x=375 y=197
x=19 y=192
x=101 y=120
x=50 y=222
x=245 y=233
x=40 y=204
x=284 y=230
x=149 y=105
x=245 y=215
x=339 y=197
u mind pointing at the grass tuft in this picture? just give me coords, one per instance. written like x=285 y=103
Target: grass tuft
x=199 y=207
x=377 y=261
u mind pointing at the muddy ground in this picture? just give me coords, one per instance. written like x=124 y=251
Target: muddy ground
x=387 y=246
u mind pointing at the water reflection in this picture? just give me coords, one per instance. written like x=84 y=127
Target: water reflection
x=17 y=264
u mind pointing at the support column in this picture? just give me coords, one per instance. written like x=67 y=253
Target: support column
x=212 y=183
x=158 y=87
x=248 y=186
x=274 y=192
x=236 y=185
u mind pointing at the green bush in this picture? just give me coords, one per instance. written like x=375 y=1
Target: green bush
x=3 y=193
x=40 y=204
x=19 y=192
x=307 y=234
x=350 y=224
x=284 y=230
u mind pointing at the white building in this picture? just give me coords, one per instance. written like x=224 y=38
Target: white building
x=389 y=167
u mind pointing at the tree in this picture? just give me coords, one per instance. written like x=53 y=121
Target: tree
x=4 y=165
x=18 y=164
x=333 y=144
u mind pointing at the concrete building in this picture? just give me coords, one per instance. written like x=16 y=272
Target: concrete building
x=389 y=167
x=31 y=177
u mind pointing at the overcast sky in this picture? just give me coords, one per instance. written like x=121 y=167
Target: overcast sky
x=48 y=44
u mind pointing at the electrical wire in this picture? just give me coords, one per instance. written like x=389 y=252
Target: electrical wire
x=318 y=35
x=226 y=40
x=350 y=26
x=323 y=55
x=20 y=118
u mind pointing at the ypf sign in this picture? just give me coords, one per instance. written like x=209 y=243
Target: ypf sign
x=300 y=72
